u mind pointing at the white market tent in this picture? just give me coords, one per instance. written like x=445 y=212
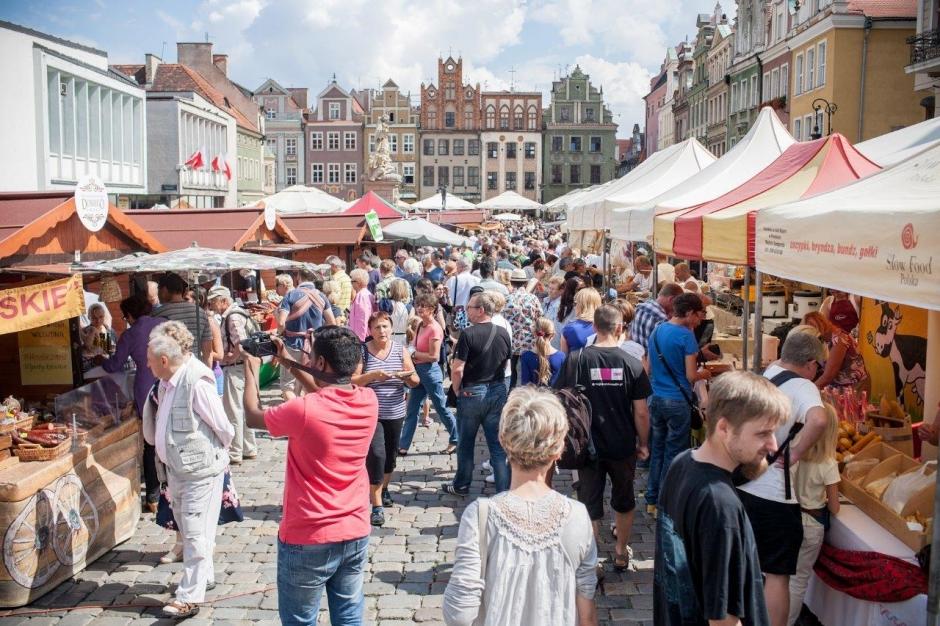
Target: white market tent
x=894 y=147
x=509 y=201
x=560 y=204
x=300 y=199
x=433 y=203
x=874 y=238
x=421 y=232
x=662 y=171
x=767 y=140
x=507 y=217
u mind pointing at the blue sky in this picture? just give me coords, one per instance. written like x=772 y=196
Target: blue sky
x=301 y=43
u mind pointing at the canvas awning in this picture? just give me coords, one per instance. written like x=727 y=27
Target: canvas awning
x=299 y=199
x=900 y=145
x=662 y=171
x=877 y=237
x=433 y=203
x=509 y=201
x=767 y=140
x=372 y=202
x=723 y=230
x=421 y=232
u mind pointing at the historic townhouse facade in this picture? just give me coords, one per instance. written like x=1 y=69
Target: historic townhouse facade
x=746 y=68
x=402 y=120
x=654 y=102
x=283 y=110
x=511 y=139
x=829 y=44
x=717 y=62
x=580 y=137
x=775 y=79
x=69 y=115
x=698 y=94
x=680 y=105
x=451 y=119
x=924 y=61
x=667 y=123
x=333 y=134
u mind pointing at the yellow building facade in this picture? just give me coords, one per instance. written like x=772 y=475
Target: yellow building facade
x=858 y=68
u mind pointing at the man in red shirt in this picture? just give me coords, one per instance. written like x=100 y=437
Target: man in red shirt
x=324 y=532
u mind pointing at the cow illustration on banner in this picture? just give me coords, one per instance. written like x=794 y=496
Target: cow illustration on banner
x=893 y=343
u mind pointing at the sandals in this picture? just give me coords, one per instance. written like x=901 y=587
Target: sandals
x=402 y=452
x=450 y=449
x=177 y=609
x=621 y=562
x=173 y=556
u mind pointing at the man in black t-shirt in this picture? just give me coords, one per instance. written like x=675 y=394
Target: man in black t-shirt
x=477 y=377
x=617 y=387
x=706 y=567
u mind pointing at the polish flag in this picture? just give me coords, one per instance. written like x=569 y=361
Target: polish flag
x=196 y=161
x=219 y=164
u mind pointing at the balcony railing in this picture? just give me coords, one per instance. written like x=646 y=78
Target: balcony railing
x=925 y=46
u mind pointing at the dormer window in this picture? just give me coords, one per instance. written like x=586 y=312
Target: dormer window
x=334 y=110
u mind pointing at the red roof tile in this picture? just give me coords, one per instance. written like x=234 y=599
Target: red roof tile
x=137 y=72
x=884 y=8
x=175 y=77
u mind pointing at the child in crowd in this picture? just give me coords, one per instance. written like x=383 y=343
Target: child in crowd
x=816 y=482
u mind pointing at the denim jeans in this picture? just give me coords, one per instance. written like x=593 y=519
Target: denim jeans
x=669 y=435
x=432 y=386
x=480 y=405
x=304 y=570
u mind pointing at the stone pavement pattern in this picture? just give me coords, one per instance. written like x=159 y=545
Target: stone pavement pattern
x=409 y=558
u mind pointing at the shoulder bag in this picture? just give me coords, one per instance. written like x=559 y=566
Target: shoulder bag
x=697 y=417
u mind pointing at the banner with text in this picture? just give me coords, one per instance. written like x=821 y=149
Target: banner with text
x=23 y=308
x=893 y=257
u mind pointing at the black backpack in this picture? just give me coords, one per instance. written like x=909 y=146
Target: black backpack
x=579 y=446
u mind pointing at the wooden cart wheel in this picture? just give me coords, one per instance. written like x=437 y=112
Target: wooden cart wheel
x=28 y=551
x=76 y=520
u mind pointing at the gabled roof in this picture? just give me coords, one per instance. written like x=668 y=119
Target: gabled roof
x=226 y=229
x=137 y=72
x=25 y=217
x=333 y=85
x=390 y=84
x=172 y=77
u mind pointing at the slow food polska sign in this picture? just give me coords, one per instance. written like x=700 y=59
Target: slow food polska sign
x=91 y=202
x=23 y=308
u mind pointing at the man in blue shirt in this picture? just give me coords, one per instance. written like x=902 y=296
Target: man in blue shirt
x=302 y=311
x=673 y=352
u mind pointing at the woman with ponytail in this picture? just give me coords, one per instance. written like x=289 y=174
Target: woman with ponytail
x=540 y=366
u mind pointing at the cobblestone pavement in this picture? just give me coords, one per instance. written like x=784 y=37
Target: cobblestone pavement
x=409 y=558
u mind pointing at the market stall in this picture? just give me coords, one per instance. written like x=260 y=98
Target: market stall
x=437 y=203
x=509 y=201
x=878 y=238
x=302 y=200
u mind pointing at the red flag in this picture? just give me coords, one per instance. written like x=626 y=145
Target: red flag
x=196 y=161
x=219 y=164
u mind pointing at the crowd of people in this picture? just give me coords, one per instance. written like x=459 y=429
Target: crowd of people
x=510 y=334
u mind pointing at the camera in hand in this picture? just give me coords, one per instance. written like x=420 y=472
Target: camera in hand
x=259 y=345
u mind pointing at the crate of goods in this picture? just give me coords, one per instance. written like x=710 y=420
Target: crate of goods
x=912 y=523
x=897 y=432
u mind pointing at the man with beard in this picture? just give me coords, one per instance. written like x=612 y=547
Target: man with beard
x=706 y=566
x=769 y=500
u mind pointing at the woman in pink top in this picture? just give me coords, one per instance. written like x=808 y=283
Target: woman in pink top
x=361 y=307
x=427 y=351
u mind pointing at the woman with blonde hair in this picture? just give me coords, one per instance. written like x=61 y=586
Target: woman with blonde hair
x=527 y=555
x=575 y=333
x=540 y=366
x=399 y=293
x=845 y=366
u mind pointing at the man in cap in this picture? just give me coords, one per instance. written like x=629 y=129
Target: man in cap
x=522 y=311
x=237 y=325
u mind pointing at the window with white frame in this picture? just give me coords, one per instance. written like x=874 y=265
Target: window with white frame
x=798 y=77
x=810 y=69
x=393 y=144
x=774 y=82
x=332 y=173
x=371 y=143
x=810 y=126
x=781 y=23
x=334 y=110
x=821 y=64
x=349 y=173
x=755 y=95
x=734 y=97
x=798 y=129
x=332 y=140
x=408 y=173
x=408 y=144
x=349 y=141
x=270 y=114
x=316 y=173
x=765 y=88
x=784 y=79
x=291 y=175
x=290 y=146
x=316 y=141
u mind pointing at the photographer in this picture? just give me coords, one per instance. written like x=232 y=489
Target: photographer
x=324 y=531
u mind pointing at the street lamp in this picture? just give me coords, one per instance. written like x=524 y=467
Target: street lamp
x=443 y=190
x=819 y=105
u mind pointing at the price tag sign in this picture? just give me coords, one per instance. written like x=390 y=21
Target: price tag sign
x=375 y=226
x=91 y=202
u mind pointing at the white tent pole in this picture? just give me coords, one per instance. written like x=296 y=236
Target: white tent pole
x=746 y=314
x=758 y=324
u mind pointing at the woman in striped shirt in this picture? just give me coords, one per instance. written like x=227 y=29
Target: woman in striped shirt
x=386 y=368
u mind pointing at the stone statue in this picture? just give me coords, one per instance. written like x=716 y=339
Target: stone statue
x=381 y=166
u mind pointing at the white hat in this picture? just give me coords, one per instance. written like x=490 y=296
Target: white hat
x=219 y=291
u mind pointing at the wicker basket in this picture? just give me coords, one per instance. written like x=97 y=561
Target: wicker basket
x=81 y=436
x=7 y=428
x=35 y=452
x=26 y=423
x=6 y=441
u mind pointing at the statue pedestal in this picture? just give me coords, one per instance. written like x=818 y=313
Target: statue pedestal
x=388 y=190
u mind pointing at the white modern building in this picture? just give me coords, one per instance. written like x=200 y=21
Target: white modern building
x=66 y=114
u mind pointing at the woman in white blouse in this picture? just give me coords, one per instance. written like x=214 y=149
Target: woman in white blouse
x=535 y=561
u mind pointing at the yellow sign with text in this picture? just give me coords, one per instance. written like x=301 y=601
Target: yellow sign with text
x=46 y=355
x=23 y=308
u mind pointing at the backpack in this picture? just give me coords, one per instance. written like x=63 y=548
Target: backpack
x=251 y=327
x=579 y=446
